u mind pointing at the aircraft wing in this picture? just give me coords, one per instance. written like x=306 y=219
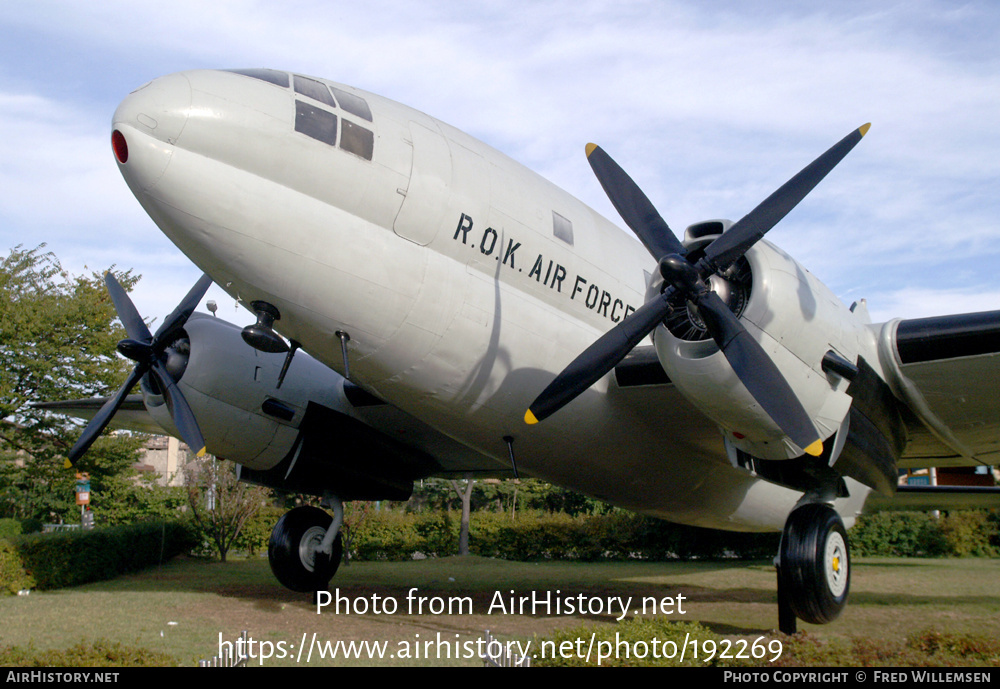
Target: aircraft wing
x=947 y=372
x=454 y=459
x=923 y=498
x=132 y=416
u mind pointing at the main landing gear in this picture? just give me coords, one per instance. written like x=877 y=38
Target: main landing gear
x=814 y=567
x=306 y=547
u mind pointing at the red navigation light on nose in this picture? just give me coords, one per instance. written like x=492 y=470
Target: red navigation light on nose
x=119 y=145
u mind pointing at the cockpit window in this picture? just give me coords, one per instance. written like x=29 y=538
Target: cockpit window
x=356 y=105
x=357 y=140
x=313 y=89
x=272 y=76
x=321 y=124
x=316 y=122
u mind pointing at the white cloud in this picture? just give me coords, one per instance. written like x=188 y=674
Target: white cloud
x=709 y=106
x=924 y=303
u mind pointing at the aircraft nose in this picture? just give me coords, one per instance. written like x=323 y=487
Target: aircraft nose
x=159 y=108
x=146 y=127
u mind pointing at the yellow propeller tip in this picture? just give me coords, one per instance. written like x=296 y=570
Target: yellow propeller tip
x=590 y=149
x=864 y=128
x=67 y=464
x=816 y=449
x=529 y=418
x=201 y=453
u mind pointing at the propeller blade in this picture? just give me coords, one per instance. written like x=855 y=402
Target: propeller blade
x=632 y=204
x=755 y=224
x=181 y=413
x=103 y=417
x=599 y=358
x=759 y=374
x=178 y=317
x=127 y=313
x=146 y=350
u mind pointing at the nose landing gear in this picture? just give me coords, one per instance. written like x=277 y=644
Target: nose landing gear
x=814 y=567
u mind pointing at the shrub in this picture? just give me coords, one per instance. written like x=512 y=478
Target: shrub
x=920 y=534
x=897 y=534
x=387 y=535
x=61 y=559
x=256 y=532
x=10 y=527
x=438 y=534
x=100 y=653
x=31 y=525
x=969 y=533
x=620 y=535
x=531 y=536
x=628 y=644
x=13 y=577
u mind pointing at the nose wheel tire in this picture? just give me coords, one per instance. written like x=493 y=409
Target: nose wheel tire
x=815 y=563
x=292 y=550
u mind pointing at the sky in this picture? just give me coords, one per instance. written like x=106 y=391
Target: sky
x=710 y=106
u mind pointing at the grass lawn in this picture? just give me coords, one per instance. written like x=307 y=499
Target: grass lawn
x=182 y=608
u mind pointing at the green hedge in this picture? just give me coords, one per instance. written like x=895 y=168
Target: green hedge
x=49 y=561
x=70 y=558
x=620 y=535
x=13 y=576
x=920 y=534
x=10 y=528
x=387 y=535
x=99 y=653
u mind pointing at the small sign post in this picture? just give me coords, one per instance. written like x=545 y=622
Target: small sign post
x=83 y=495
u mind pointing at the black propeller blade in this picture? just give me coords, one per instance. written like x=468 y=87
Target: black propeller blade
x=599 y=358
x=632 y=204
x=759 y=374
x=755 y=224
x=135 y=327
x=749 y=361
x=148 y=352
x=102 y=418
x=178 y=317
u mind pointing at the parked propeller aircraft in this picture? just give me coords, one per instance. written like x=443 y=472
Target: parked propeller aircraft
x=434 y=290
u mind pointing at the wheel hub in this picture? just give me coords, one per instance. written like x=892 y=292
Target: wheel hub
x=836 y=564
x=309 y=545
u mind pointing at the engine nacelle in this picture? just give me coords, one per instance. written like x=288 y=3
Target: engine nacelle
x=305 y=436
x=227 y=384
x=794 y=317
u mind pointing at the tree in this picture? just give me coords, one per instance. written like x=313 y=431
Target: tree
x=131 y=497
x=465 y=494
x=57 y=341
x=221 y=504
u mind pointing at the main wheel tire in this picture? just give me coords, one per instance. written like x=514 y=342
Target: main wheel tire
x=815 y=563
x=292 y=550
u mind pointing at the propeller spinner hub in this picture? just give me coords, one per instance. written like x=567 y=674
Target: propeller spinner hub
x=140 y=352
x=682 y=275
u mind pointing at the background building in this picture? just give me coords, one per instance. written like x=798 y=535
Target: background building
x=166 y=456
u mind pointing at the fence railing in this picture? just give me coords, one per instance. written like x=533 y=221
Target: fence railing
x=498 y=654
x=234 y=654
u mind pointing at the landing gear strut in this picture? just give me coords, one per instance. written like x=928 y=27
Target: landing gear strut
x=306 y=547
x=814 y=567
